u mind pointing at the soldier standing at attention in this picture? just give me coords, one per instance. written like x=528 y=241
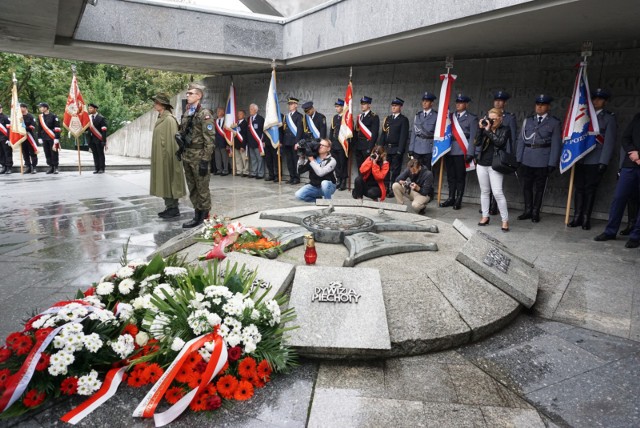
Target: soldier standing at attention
x=6 y=152
x=49 y=136
x=367 y=128
x=197 y=125
x=337 y=151
x=461 y=153
x=538 y=151
x=292 y=133
x=29 y=147
x=97 y=137
x=424 y=127
x=395 y=132
x=591 y=168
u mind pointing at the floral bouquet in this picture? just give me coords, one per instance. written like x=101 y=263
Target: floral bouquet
x=233 y=236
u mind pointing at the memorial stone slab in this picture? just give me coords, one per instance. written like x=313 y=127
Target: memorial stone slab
x=501 y=246
x=289 y=237
x=385 y=223
x=501 y=268
x=339 y=202
x=332 y=228
x=367 y=245
x=271 y=274
x=462 y=229
x=384 y=206
x=177 y=243
x=295 y=217
x=340 y=312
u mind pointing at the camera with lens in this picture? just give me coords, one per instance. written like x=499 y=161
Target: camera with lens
x=486 y=121
x=374 y=156
x=407 y=186
x=308 y=147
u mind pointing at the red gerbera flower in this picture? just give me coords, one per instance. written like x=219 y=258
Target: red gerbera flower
x=214 y=402
x=193 y=358
x=211 y=389
x=130 y=329
x=258 y=382
x=136 y=379
x=4 y=354
x=69 y=386
x=153 y=372
x=42 y=333
x=244 y=391
x=174 y=394
x=227 y=386
x=43 y=362
x=235 y=353
x=34 y=398
x=23 y=345
x=5 y=374
x=13 y=339
x=194 y=380
x=89 y=292
x=246 y=366
x=183 y=374
x=264 y=369
x=199 y=402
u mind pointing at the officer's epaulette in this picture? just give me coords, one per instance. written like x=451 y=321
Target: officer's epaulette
x=418 y=112
x=609 y=112
x=372 y=113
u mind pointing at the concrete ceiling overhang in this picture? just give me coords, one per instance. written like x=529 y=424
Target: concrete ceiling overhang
x=542 y=26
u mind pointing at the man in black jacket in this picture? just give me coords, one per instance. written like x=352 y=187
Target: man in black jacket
x=49 y=136
x=291 y=134
x=6 y=151
x=29 y=147
x=314 y=124
x=395 y=133
x=97 y=137
x=416 y=183
x=255 y=143
x=337 y=150
x=322 y=181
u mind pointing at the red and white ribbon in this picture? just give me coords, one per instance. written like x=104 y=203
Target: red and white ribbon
x=363 y=129
x=462 y=141
x=256 y=137
x=45 y=128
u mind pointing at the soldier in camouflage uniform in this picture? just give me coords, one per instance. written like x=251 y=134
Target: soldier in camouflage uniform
x=197 y=156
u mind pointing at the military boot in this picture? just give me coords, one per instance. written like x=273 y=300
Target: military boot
x=196 y=220
x=578 y=211
x=170 y=213
x=450 y=200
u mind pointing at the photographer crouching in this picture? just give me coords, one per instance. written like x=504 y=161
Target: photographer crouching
x=315 y=157
x=416 y=183
x=373 y=172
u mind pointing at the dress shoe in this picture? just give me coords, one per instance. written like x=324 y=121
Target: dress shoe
x=97 y=171
x=258 y=178
x=586 y=225
x=632 y=243
x=535 y=218
x=343 y=184
x=217 y=173
x=170 y=213
x=224 y=174
x=269 y=179
x=2 y=169
x=8 y=171
x=101 y=171
x=624 y=232
x=289 y=181
x=50 y=170
x=55 y=169
x=243 y=175
x=485 y=223
x=577 y=221
x=448 y=203
x=27 y=170
x=525 y=215
x=604 y=237
x=295 y=181
x=34 y=170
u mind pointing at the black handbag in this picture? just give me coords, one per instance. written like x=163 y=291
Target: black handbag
x=504 y=162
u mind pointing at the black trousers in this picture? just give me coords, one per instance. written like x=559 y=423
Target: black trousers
x=395 y=165
x=97 y=150
x=586 y=179
x=270 y=160
x=291 y=159
x=50 y=154
x=368 y=188
x=361 y=155
x=341 y=163
x=534 y=180
x=456 y=174
x=29 y=155
x=6 y=154
x=424 y=159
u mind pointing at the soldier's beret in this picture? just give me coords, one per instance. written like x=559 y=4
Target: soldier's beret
x=601 y=93
x=293 y=100
x=24 y=105
x=501 y=95
x=366 y=100
x=397 y=101
x=307 y=105
x=43 y=105
x=462 y=98
x=429 y=96
x=339 y=102
x=197 y=86
x=544 y=99
x=95 y=106
x=162 y=98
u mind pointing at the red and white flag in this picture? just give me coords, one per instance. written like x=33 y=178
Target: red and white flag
x=76 y=118
x=18 y=132
x=346 y=126
x=230 y=116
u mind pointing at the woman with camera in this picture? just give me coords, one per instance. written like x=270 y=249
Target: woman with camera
x=373 y=171
x=492 y=136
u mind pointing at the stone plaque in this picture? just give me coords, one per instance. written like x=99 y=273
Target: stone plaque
x=384 y=206
x=332 y=228
x=501 y=268
x=289 y=237
x=367 y=245
x=295 y=217
x=332 y=329
x=270 y=273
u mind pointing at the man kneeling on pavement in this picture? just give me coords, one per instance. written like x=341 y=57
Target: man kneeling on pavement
x=322 y=180
x=415 y=183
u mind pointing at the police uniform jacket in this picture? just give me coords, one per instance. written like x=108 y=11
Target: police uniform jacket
x=321 y=123
x=52 y=122
x=242 y=129
x=424 y=126
x=258 y=126
x=539 y=145
x=469 y=124
x=202 y=131
x=336 y=122
x=5 y=126
x=631 y=141
x=220 y=141
x=509 y=121
x=372 y=122
x=606 y=140
x=395 y=133
x=100 y=123
x=288 y=137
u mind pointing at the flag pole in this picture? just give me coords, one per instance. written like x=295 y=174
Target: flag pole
x=233 y=140
x=273 y=67
x=79 y=164
x=448 y=63
x=349 y=164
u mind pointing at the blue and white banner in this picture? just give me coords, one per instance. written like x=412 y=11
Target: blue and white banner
x=581 y=124
x=273 y=118
x=312 y=127
x=442 y=137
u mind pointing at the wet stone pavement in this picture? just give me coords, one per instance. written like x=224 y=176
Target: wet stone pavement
x=570 y=361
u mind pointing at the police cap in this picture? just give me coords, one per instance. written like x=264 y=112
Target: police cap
x=462 y=98
x=366 y=100
x=397 y=101
x=339 y=102
x=45 y=105
x=501 y=95
x=601 y=93
x=429 y=96
x=308 y=105
x=95 y=106
x=544 y=99
x=293 y=100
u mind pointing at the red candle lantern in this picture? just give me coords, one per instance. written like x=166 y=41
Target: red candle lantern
x=310 y=254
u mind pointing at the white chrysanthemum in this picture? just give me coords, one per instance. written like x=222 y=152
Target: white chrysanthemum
x=88 y=384
x=59 y=361
x=233 y=324
x=142 y=338
x=148 y=280
x=202 y=321
x=252 y=331
x=175 y=271
x=223 y=330
x=248 y=303
x=93 y=301
x=102 y=316
x=161 y=289
x=233 y=307
x=142 y=302
x=177 y=344
x=206 y=355
x=124 y=272
x=39 y=323
x=104 y=288
x=123 y=346
x=233 y=339
x=92 y=342
x=126 y=286
x=274 y=311
x=136 y=264
x=125 y=311
x=218 y=291
x=158 y=326
x=255 y=315
x=249 y=347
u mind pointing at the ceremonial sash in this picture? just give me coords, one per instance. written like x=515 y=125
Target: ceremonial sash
x=219 y=129
x=239 y=134
x=461 y=139
x=32 y=141
x=4 y=130
x=312 y=127
x=363 y=129
x=45 y=128
x=94 y=130
x=256 y=137
x=292 y=126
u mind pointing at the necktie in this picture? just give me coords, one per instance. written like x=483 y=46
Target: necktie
x=362 y=116
x=424 y=114
x=93 y=116
x=539 y=120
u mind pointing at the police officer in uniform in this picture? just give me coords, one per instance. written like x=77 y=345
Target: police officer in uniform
x=591 y=168
x=97 y=137
x=292 y=133
x=197 y=124
x=367 y=127
x=395 y=133
x=318 y=119
x=6 y=151
x=49 y=136
x=29 y=147
x=424 y=127
x=538 y=151
x=456 y=160
x=337 y=151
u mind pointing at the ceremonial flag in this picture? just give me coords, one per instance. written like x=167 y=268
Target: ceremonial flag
x=272 y=116
x=346 y=126
x=76 y=118
x=580 y=126
x=230 y=116
x=443 y=132
x=18 y=132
